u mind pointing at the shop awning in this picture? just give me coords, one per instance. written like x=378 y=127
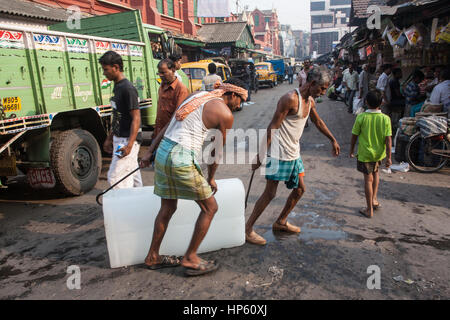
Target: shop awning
x=189 y=42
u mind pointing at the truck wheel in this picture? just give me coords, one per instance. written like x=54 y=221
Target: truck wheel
x=76 y=161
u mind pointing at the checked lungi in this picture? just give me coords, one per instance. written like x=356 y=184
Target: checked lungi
x=177 y=173
x=287 y=171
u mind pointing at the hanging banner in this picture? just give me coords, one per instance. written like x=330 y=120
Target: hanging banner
x=362 y=54
x=213 y=8
x=444 y=35
x=413 y=35
x=369 y=50
x=393 y=34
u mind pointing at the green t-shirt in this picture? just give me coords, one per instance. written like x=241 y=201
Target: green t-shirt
x=372 y=128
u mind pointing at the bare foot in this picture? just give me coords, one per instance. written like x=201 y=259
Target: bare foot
x=285 y=227
x=366 y=214
x=255 y=238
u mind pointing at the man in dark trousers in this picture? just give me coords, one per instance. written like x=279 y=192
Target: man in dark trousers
x=124 y=139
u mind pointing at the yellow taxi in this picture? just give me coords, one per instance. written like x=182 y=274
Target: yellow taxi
x=266 y=74
x=196 y=71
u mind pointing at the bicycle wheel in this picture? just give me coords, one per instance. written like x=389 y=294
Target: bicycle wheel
x=419 y=152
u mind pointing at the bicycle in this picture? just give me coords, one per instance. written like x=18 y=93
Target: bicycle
x=430 y=154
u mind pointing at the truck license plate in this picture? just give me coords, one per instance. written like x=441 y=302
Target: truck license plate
x=12 y=104
x=41 y=178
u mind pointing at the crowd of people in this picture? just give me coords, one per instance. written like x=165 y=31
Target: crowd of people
x=424 y=89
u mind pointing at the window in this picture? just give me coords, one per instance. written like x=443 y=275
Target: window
x=262 y=67
x=256 y=18
x=340 y=2
x=160 y=6
x=227 y=73
x=317 y=6
x=267 y=20
x=170 y=10
x=321 y=19
x=194 y=73
x=157 y=46
x=195 y=11
x=220 y=73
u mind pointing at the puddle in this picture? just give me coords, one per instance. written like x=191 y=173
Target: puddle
x=313 y=226
x=323 y=195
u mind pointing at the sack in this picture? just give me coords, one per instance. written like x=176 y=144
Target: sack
x=431 y=108
x=357 y=103
x=432 y=126
x=330 y=91
x=408 y=125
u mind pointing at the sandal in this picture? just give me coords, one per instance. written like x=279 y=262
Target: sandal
x=166 y=262
x=376 y=206
x=202 y=268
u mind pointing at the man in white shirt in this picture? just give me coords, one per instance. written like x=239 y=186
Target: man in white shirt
x=441 y=92
x=211 y=79
x=350 y=81
x=177 y=60
x=382 y=83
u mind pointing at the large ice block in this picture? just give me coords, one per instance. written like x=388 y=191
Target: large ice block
x=130 y=215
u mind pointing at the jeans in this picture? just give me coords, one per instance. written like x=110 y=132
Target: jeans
x=350 y=94
x=291 y=78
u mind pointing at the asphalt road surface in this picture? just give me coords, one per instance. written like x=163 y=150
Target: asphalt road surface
x=408 y=240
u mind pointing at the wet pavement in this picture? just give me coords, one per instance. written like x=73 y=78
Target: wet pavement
x=43 y=234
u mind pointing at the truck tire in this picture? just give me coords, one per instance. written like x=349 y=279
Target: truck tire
x=76 y=161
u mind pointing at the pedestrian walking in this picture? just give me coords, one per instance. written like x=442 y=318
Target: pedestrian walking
x=350 y=81
x=290 y=72
x=125 y=137
x=178 y=175
x=383 y=81
x=373 y=131
x=284 y=162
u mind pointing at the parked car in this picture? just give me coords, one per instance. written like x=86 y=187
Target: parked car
x=244 y=70
x=196 y=71
x=266 y=74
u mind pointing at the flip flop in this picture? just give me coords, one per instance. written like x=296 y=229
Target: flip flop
x=202 y=268
x=166 y=262
x=376 y=206
x=364 y=212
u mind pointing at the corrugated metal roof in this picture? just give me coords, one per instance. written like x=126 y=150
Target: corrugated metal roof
x=221 y=32
x=32 y=10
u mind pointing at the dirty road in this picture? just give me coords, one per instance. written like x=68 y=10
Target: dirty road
x=41 y=235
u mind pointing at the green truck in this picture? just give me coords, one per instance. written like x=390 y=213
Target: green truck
x=54 y=100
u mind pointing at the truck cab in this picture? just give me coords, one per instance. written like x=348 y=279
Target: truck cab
x=55 y=107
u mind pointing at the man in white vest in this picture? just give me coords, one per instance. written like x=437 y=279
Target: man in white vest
x=284 y=162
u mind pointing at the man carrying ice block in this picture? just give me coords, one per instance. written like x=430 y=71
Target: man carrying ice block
x=178 y=175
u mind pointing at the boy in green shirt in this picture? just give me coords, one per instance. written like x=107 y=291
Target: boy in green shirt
x=373 y=129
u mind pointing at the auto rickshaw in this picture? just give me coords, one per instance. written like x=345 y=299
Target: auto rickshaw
x=266 y=74
x=196 y=71
x=245 y=71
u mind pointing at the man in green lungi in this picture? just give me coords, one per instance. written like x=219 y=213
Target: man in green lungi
x=178 y=175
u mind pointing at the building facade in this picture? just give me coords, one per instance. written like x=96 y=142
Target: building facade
x=329 y=23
